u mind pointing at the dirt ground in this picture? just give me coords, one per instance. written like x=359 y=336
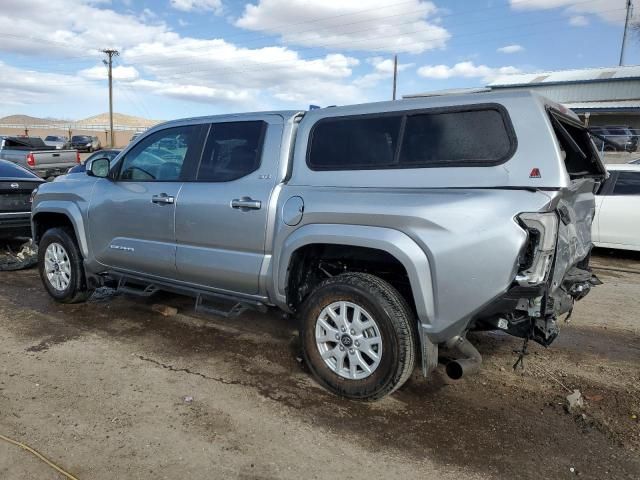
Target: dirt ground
x=100 y=388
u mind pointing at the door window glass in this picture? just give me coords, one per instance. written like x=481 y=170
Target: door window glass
x=628 y=183
x=233 y=151
x=160 y=156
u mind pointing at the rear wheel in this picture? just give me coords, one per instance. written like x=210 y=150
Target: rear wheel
x=60 y=265
x=357 y=336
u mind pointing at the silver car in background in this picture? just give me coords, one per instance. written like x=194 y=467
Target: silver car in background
x=56 y=141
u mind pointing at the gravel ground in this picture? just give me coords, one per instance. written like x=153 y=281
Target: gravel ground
x=100 y=389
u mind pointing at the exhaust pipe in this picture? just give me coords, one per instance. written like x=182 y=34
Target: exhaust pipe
x=469 y=361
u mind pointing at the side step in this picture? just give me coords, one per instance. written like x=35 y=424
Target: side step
x=224 y=306
x=125 y=285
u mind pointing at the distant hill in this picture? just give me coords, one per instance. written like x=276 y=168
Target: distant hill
x=119 y=119
x=28 y=120
x=101 y=119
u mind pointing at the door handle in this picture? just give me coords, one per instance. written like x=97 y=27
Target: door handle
x=246 y=203
x=163 y=199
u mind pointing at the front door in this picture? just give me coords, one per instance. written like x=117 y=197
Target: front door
x=131 y=216
x=618 y=216
x=221 y=216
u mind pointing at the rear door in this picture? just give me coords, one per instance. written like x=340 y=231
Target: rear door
x=221 y=214
x=619 y=212
x=131 y=216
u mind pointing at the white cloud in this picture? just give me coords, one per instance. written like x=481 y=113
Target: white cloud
x=511 y=49
x=610 y=10
x=19 y=86
x=155 y=60
x=197 y=5
x=382 y=70
x=578 y=21
x=120 y=73
x=466 y=70
x=376 y=25
x=71 y=27
x=219 y=65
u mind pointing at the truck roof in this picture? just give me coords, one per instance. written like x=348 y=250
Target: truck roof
x=418 y=102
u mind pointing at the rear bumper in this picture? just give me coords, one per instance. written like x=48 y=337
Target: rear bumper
x=51 y=172
x=15 y=224
x=532 y=311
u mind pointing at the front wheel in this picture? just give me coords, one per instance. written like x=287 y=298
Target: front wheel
x=357 y=336
x=60 y=265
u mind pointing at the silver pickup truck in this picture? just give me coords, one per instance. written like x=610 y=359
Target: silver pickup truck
x=389 y=230
x=34 y=154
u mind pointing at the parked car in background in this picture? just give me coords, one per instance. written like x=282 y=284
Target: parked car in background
x=617 y=220
x=85 y=143
x=55 y=141
x=109 y=153
x=16 y=187
x=33 y=154
x=615 y=138
x=389 y=229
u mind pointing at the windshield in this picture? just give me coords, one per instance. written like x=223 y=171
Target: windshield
x=80 y=138
x=53 y=139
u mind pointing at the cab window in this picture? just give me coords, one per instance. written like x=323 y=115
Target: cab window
x=161 y=157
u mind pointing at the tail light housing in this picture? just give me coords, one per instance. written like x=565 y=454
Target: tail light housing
x=31 y=160
x=77 y=157
x=537 y=258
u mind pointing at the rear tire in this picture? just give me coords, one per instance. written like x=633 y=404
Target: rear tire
x=61 y=268
x=358 y=336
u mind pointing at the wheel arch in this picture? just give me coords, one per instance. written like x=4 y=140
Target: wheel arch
x=398 y=245
x=50 y=214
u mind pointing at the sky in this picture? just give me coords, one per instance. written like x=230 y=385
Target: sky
x=183 y=58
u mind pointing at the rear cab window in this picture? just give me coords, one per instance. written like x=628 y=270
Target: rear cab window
x=580 y=156
x=473 y=135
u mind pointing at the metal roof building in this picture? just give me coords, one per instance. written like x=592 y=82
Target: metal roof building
x=602 y=96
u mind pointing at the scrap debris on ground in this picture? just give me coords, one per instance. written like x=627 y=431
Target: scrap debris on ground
x=112 y=389
x=17 y=256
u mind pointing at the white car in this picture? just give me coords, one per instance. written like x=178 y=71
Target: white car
x=617 y=220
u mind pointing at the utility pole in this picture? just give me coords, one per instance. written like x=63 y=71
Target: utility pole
x=395 y=75
x=624 y=33
x=110 y=54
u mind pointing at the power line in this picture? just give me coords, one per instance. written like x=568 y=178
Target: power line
x=286 y=64
x=180 y=48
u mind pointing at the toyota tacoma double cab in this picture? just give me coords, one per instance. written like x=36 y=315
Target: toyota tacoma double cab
x=388 y=230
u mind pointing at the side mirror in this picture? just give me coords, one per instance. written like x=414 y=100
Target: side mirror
x=99 y=168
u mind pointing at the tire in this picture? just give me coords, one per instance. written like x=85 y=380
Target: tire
x=388 y=329
x=61 y=244
x=90 y=150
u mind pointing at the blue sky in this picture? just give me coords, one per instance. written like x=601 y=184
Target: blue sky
x=196 y=57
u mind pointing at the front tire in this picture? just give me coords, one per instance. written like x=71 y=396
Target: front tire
x=61 y=268
x=358 y=337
